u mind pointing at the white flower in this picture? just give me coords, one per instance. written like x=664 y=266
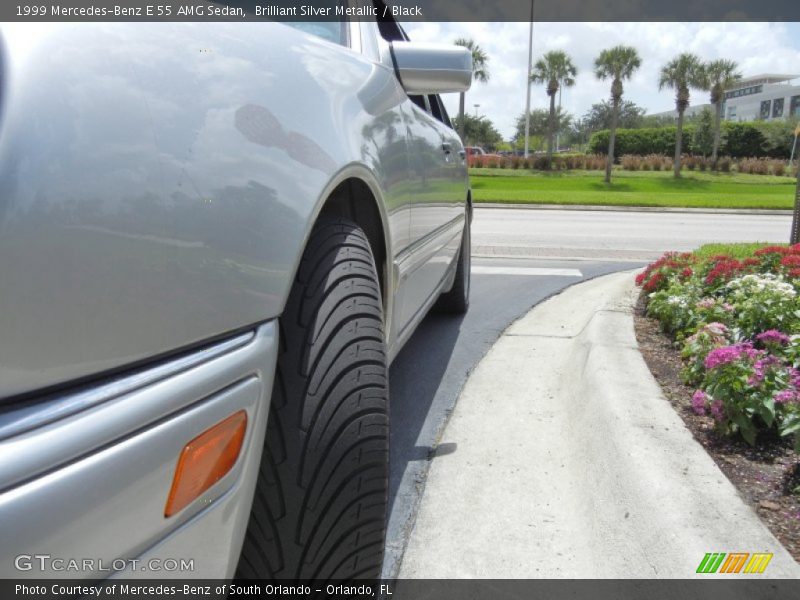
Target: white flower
x=677 y=301
x=748 y=285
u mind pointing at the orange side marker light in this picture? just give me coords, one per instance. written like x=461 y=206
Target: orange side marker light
x=205 y=460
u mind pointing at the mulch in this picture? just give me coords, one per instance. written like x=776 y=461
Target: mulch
x=764 y=475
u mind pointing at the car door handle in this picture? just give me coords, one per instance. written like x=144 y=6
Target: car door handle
x=446 y=147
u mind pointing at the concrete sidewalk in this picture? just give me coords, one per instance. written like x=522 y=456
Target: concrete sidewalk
x=563 y=459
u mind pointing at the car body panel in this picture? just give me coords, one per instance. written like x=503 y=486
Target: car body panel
x=101 y=477
x=150 y=196
x=158 y=184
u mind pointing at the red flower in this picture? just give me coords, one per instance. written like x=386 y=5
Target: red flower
x=773 y=250
x=724 y=271
x=791 y=261
x=653 y=282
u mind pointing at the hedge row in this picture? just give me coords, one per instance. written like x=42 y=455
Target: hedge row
x=633 y=162
x=753 y=166
x=739 y=140
x=590 y=162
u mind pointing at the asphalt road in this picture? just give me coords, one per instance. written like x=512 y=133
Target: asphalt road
x=522 y=257
x=617 y=235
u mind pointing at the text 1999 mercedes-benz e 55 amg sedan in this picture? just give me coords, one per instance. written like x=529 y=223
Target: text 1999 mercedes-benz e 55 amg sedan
x=214 y=238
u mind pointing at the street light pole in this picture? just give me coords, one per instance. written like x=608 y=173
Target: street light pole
x=528 y=86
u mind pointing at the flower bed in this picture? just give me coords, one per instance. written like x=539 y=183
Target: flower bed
x=737 y=323
x=630 y=162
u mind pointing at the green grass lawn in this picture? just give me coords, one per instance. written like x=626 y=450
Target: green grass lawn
x=634 y=188
x=739 y=251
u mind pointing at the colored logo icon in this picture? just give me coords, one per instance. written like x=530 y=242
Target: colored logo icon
x=734 y=562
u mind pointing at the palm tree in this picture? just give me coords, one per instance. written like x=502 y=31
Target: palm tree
x=680 y=74
x=718 y=76
x=480 y=72
x=554 y=69
x=616 y=63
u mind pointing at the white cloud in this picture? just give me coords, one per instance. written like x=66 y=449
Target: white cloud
x=757 y=47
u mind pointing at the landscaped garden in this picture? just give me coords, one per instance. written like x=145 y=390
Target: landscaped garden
x=720 y=330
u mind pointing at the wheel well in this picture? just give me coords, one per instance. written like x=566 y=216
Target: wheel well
x=354 y=200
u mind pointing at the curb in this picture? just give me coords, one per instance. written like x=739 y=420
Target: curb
x=566 y=461
x=600 y=208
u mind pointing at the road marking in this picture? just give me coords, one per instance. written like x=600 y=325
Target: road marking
x=528 y=271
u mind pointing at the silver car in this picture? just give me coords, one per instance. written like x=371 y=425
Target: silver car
x=214 y=238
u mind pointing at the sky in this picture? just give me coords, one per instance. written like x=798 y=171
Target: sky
x=757 y=47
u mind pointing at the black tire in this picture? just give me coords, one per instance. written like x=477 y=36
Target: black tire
x=319 y=510
x=456 y=301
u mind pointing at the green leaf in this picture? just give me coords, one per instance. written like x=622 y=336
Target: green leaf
x=792 y=427
x=767 y=411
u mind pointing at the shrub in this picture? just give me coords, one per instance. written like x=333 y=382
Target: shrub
x=656 y=140
x=476 y=161
x=660 y=274
x=539 y=163
x=630 y=162
x=763 y=301
x=698 y=345
x=672 y=307
x=741 y=389
x=754 y=166
x=739 y=140
x=595 y=162
x=742 y=139
x=657 y=162
x=724 y=164
x=739 y=323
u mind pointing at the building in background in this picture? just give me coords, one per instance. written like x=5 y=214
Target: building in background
x=762 y=97
x=765 y=97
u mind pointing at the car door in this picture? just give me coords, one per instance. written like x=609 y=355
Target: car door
x=438 y=168
x=435 y=191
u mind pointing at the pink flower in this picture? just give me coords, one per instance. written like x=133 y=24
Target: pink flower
x=786 y=397
x=717 y=410
x=699 y=402
x=794 y=377
x=729 y=354
x=760 y=367
x=706 y=303
x=773 y=336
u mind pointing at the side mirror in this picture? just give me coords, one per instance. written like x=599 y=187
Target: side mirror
x=432 y=68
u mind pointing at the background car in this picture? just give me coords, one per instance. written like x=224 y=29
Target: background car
x=214 y=238
x=477 y=156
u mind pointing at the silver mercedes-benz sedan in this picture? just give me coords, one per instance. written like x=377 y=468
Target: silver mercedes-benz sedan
x=214 y=238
